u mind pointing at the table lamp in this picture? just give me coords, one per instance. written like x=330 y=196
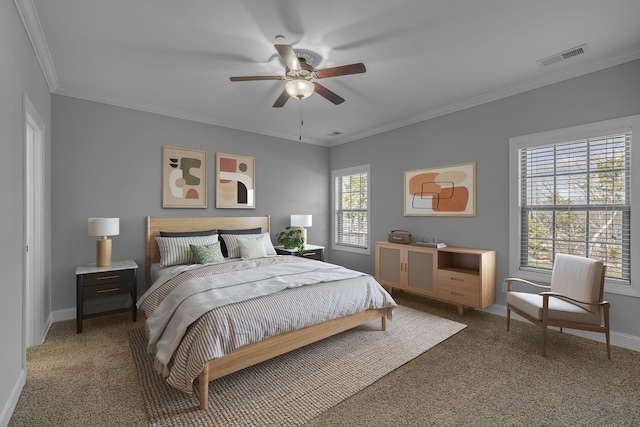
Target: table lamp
x=301 y=221
x=104 y=227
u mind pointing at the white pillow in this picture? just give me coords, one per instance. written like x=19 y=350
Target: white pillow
x=252 y=248
x=177 y=250
x=233 y=249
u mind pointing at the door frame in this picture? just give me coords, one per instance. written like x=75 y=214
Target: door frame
x=33 y=227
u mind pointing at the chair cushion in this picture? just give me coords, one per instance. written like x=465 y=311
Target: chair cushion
x=578 y=277
x=531 y=304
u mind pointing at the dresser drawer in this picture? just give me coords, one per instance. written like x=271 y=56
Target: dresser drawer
x=459 y=280
x=459 y=294
x=107 y=277
x=107 y=289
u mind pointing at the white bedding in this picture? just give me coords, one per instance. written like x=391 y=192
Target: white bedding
x=224 y=329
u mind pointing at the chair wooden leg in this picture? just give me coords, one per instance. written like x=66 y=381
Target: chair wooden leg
x=606 y=326
x=545 y=311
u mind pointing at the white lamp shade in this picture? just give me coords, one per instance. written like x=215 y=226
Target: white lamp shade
x=301 y=220
x=104 y=226
x=299 y=88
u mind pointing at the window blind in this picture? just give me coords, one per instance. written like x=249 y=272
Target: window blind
x=575 y=198
x=352 y=209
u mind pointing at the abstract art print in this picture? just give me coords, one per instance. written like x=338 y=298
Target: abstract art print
x=184 y=178
x=442 y=191
x=235 y=181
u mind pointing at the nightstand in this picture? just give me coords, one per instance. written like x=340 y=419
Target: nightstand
x=310 y=251
x=100 y=282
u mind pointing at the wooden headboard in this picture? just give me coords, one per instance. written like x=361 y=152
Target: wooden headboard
x=155 y=225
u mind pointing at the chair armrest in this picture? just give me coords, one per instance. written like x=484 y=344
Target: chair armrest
x=515 y=279
x=565 y=297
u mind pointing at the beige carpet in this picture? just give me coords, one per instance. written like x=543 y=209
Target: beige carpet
x=294 y=388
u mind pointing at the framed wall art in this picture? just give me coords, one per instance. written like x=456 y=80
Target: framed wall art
x=235 y=181
x=441 y=191
x=184 y=177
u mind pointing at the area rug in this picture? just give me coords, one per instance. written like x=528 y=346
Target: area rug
x=292 y=389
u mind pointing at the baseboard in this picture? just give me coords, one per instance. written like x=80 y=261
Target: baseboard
x=64 y=314
x=10 y=406
x=618 y=339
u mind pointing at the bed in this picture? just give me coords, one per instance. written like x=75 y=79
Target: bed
x=215 y=362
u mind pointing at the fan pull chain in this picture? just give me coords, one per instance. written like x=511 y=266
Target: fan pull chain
x=301 y=122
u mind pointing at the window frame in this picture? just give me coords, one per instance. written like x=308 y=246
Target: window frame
x=590 y=130
x=335 y=245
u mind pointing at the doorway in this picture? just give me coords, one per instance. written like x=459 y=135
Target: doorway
x=33 y=260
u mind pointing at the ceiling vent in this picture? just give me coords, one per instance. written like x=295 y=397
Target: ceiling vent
x=563 y=55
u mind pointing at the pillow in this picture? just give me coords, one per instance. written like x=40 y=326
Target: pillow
x=187 y=233
x=177 y=250
x=233 y=248
x=223 y=245
x=252 y=248
x=207 y=254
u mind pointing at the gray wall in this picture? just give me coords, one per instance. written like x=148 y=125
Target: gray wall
x=19 y=73
x=481 y=134
x=107 y=163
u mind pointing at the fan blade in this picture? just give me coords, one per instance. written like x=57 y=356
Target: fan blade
x=282 y=99
x=341 y=71
x=331 y=96
x=289 y=56
x=251 y=78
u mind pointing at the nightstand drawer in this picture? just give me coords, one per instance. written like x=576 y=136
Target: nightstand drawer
x=313 y=254
x=107 y=289
x=107 y=277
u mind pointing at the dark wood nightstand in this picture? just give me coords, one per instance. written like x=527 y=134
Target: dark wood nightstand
x=310 y=251
x=100 y=282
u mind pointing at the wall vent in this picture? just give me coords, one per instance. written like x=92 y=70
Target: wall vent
x=563 y=55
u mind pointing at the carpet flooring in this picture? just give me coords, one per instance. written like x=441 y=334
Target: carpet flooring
x=291 y=389
x=481 y=376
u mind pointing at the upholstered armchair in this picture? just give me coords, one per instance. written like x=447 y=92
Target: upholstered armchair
x=573 y=300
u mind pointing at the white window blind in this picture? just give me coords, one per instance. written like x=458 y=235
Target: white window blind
x=351 y=208
x=575 y=197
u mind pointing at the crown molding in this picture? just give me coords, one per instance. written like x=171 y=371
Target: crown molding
x=28 y=14
x=550 y=78
x=31 y=22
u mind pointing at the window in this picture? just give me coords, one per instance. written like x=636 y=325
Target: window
x=571 y=192
x=351 y=209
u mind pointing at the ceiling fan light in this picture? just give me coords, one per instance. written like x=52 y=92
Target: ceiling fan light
x=299 y=88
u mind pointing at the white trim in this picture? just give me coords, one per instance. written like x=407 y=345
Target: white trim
x=34 y=322
x=31 y=22
x=64 y=314
x=12 y=401
x=568 y=134
x=545 y=80
x=618 y=339
x=342 y=172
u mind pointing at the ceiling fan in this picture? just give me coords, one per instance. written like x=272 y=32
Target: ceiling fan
x=299 y=75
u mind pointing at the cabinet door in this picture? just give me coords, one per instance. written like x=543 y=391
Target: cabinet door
x=388 y=265
x=422 y=271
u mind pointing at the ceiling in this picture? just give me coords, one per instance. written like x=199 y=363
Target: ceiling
x=423 y=58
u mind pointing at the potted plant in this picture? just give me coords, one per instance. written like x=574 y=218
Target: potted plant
x=291 y=238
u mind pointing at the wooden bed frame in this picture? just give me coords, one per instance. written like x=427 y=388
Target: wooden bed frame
x=255 y=353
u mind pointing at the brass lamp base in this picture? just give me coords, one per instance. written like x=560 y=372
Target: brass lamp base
x=303 y=232
x=103 y=252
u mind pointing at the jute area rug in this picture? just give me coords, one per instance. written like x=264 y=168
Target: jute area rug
x=293 y=388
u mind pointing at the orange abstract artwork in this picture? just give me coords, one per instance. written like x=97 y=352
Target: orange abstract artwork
x=448 y=190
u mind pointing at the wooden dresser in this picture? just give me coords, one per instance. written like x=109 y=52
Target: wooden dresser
x=463 y=276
